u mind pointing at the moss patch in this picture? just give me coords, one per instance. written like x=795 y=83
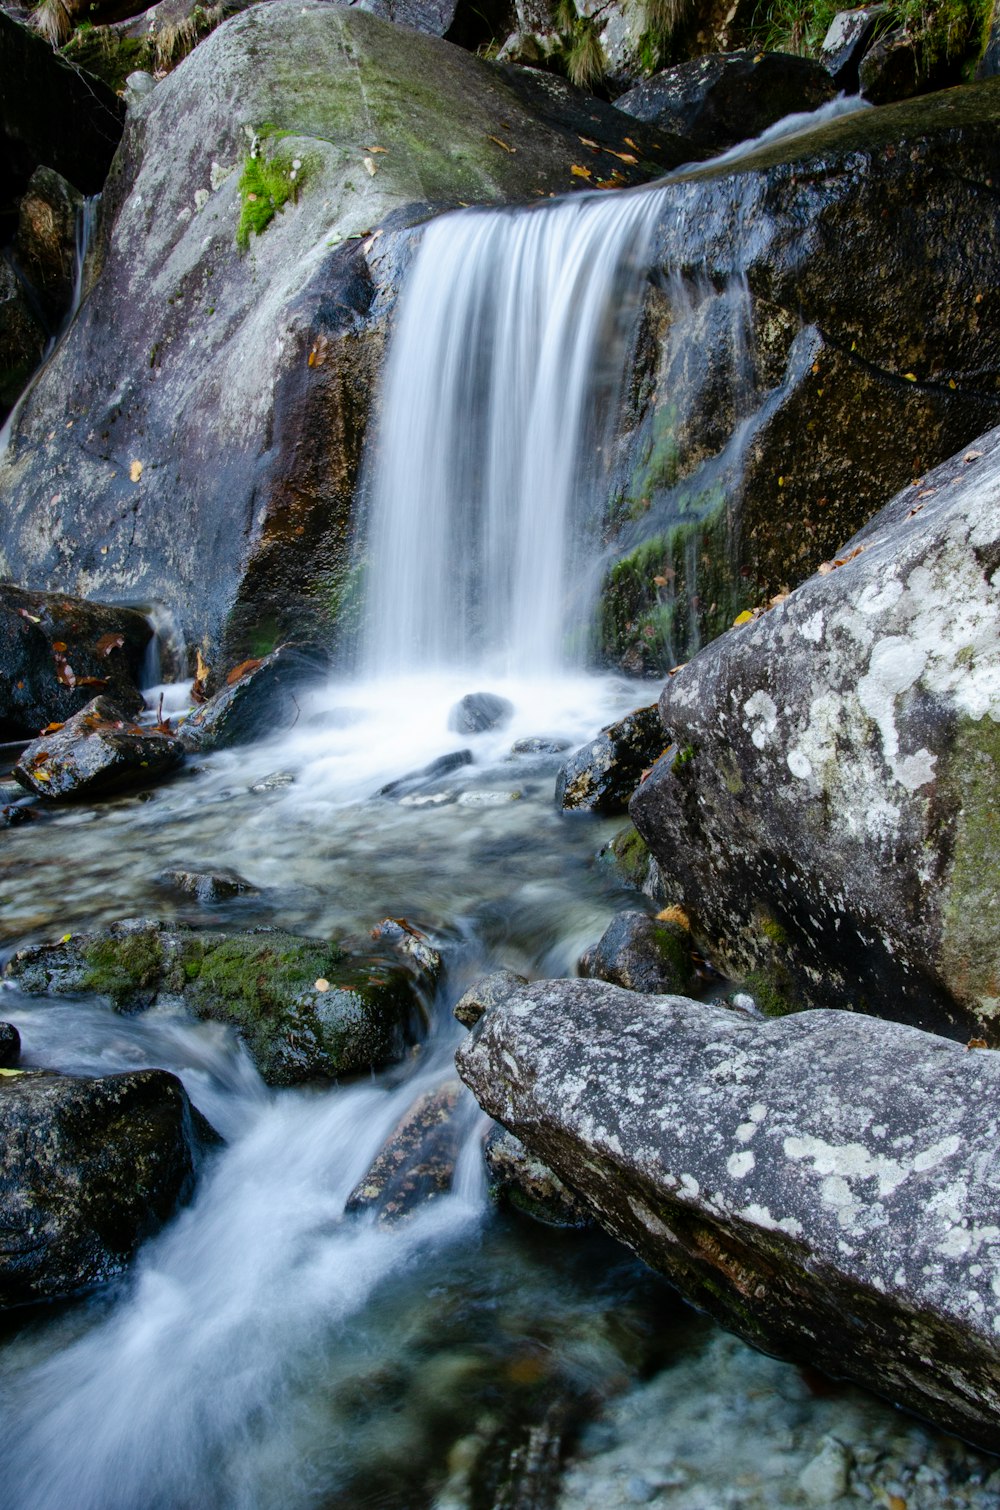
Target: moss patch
x=971 y=904
x=267 y=184
x=125 y=967
x=628 y=854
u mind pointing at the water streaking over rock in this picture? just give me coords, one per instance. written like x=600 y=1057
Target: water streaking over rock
x=488 y=487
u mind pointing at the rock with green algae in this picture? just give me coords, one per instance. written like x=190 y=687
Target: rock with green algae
x=305 y=1008
x=601 y=776
x=824 y=1185
x=641 y=953
x=219 y=399
x=89 y=1168
x=835 y=838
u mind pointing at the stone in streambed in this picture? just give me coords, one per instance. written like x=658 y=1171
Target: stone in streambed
x=10 y=1045
x=414 y=781
x=89 y=1168
x=96 y=752
x=602 y=775
x=208 y=885
x=823 y=1184
x=641 y=953
x=417 y=1163
x=477 y=712
x=304 y=1007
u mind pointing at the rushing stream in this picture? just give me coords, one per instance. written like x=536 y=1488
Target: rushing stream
x=267 y=1349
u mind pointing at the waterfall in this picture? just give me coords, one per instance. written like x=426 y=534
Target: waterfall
x=486 y=494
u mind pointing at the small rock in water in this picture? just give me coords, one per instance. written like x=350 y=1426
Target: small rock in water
x=208 y=885
x=537 y=745
x=97 y=751
x=479 y=711
x=488 y=799
x=827 y=1477
x=273 y=782
x=418 y=1161
x=428 y=799
x=601 y=776
x=443 y=766
x=641 y=953
x=10 y=1045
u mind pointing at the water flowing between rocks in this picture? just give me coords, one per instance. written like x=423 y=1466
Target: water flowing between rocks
x=269 y=1349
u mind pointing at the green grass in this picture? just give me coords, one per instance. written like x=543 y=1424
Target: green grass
x=943 y=31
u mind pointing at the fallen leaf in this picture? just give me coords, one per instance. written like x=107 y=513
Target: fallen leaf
x=911 y=377
x=977 y=1043
x=624 y=157
x=51 y=729
x=630 y=143
x=322 y=984
x=135 y=471
x=674 y=669
x=42 y=776
x=972 y=455
x=579 y=172
x=243 y=669
x=65 y=674
x=11 y=1073
x=588 y=143
x=742 y=618
x=202 y=669
x=109 y=642
x=505 y=145
x=92 y=681
x=674 y=915
x=375 y=150
x=660 y=581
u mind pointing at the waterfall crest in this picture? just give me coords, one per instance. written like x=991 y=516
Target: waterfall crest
x=503 y=381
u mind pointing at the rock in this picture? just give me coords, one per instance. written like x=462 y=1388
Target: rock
x=412 y=945
x=96 y=752
x=849 y=36
x=827 y=1476
x=601 y=776
x=790 y=328
x=220 y=396
x=539 y=745
x=304 y=1007
x=823 y=1185
x=260 y=703
x=628 y=856
x=208 y=885
x=479 y=711
x=10 y=1045
x=52 y=115
x=989 y=63
x=460 y=21
x=102 y=646
x=726 y=98
x=485 y=993
x=641 y=953
x=275 y=781
x=138 y=87
x=891 y=69
x=834 y=835
x=417 y=1163
x=22 y=336
x=45 y=242
x=415 y=780
x=89 y=1168
x=520 y=1180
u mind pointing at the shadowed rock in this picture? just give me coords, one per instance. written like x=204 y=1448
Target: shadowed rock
x=95 y=753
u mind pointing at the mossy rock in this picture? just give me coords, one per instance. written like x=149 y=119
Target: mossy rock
x=304 y=1007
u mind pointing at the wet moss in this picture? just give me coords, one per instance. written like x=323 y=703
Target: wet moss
x=769 y=990
x=125 y=967
x=628 y=853
x=267 y=184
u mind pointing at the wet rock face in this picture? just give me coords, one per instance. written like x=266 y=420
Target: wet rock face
x=89 y=1168
x=823 y=1185
x=304 y=1007
x=520 y=1180
x=220 y=397
x=96 y=752
x=257 y=704
x=826 y=289
x=601 y=776
x=478 y=712
x=834 y=834
x=417 y=1163
x=641 y=953
x=56 y=652
x=45 y=242
x=725 y=98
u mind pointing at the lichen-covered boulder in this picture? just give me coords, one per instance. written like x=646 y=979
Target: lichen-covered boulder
x=89 y=1168
x=305 y=1008
x=825 y=1185
x=601 y=776
x=417 y=1163
x=641 y=953
x=834 y=835
x=725 y=98
x=95 y=753
x=220 y=373
x=56 y=652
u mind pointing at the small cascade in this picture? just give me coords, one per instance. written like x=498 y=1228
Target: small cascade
x=489 y=481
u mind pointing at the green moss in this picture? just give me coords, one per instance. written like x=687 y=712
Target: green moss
x=769 y=992
x=772 y=931
x=252 y=978
x=123 y=966
x=629 y=855
x=266 y=186
x=674 y=945
x=970 y=781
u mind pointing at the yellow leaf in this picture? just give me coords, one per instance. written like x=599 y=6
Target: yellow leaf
x=373 y=150
x=588 y=143
x=952 y=383
x=781 y=482
x=41 y=776
x=660 y=581
x=135 y=471
x=630 y=143
x=65 y=938
x=742 y=618
x=505 y=145
x=322 y=984
x=579 y=172
x=12 y=1072
x=911 y=377
x=625 y=157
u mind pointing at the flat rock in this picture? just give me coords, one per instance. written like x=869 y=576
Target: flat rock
x=96 y=752
x=601 y=776
x=833 y=835
x=208 y=885
x=824 y=1185
x=89 y=1168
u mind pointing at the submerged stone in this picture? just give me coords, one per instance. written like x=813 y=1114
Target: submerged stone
x=833 y=836
x=417 y=1163
x=823 y=1185
x=305 y=1008
x=478 y=712
x=89 y=1168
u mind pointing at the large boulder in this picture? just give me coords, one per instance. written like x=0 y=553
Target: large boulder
x=822 y=329
x=220 y=373
x=824 y=1185
x=834 y=834
x=57 y=651
x=305 y=1008
x=89 y=1168
x=725 y=98
x=96 y=752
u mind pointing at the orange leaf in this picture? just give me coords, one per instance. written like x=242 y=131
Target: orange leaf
x=505 y=145
x=625 y=157
x=243 y=669
x=59 y=646
x=51 y=729
x=109 y=642
x=579 y=172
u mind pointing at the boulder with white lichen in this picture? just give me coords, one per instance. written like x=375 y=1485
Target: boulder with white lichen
x=834 y=832
x=824 y=1185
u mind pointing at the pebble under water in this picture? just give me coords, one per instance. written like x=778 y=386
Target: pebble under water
x=266 y=1350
